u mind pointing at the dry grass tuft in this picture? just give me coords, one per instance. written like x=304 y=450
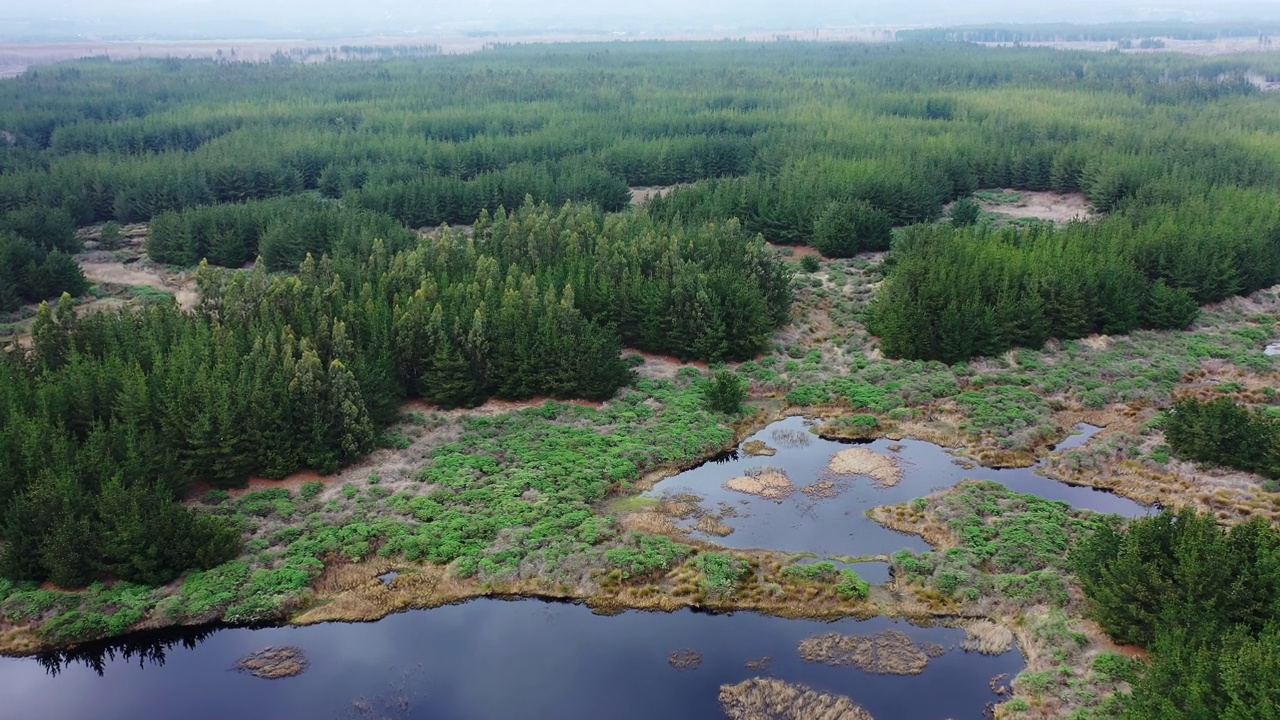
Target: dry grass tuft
x=758 y=448
x=885 y=470
x=685 y=659
x=711 y=525
x=821 y=490
x=759 y=664
x=769 y=483
x=987 y=637
x=651 y=522
x=770 y=699
x=789 y=438
x=933 y=650
x=274 y=663
x=888 y=653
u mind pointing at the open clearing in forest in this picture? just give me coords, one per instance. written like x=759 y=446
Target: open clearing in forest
x=1057 y=208
x=129 y=267
x=642 y=195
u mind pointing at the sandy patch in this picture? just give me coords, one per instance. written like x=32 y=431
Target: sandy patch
x=1058 y=208
x=884 y=469
x=768 y=483
x=773 y=699
x=795 y=252
x=662 y=367
x=182 y=287
x=642 y=195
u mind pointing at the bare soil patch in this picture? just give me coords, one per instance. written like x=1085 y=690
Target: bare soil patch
x=797 y=251
x=662 y=367
x=773 y=699
x=1058 y=208
x=642 y=195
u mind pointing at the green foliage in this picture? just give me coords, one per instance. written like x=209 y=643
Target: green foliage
x=1002 y=410
x=721 y=573
x=810 y=264
x=851 y=586
x=824 y=571
x=845 y=229
x=569 y=457
x=1223 y=433
x=726 y=392
x=648 y=554
x=1202 y=600
x=31 y=272
x=1114 y=667
x=965 y=212
x=310 y=490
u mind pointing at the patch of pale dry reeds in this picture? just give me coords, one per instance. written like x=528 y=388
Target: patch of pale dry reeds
x=987 y=637
x=888 y=653
x=884 y=469
x=711 y=525
x=758 y=448
x=772 y=699
x=791 y=438
x=766 y=482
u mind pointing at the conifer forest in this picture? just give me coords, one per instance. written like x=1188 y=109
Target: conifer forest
x=457 y=315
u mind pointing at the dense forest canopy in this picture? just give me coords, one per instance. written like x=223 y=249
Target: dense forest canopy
x=1068 y=32
x=1202 y=600
x=322 y=171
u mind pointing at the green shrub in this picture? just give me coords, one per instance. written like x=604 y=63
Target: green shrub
x=651 y=554
x=721 y=573
x=852 y=586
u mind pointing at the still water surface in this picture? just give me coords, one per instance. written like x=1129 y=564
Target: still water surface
x=839 y=526
x=530 y=659
x=491 y=659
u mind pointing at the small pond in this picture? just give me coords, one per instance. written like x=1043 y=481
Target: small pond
x=491 y=660
x=838 y=525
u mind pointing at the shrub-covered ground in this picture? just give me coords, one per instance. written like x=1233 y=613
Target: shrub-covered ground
x=540 y=500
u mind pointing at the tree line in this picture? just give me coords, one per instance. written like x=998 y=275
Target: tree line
x=1202 y=601
x=953 y=293
x=112 y=417
x=1222 y=432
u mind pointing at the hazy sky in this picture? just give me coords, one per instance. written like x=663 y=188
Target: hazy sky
x=248 y=18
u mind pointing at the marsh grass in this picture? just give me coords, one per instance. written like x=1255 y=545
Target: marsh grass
x=988 y=638
x=758 y=448
x=885 y=470
x=686 y=659
x=772 y=699
x=274 y=663
x=712 y=525
x=766 y=482
x=887 y=653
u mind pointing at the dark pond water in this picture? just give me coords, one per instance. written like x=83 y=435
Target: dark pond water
x=500 y=660
x=839 y=526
